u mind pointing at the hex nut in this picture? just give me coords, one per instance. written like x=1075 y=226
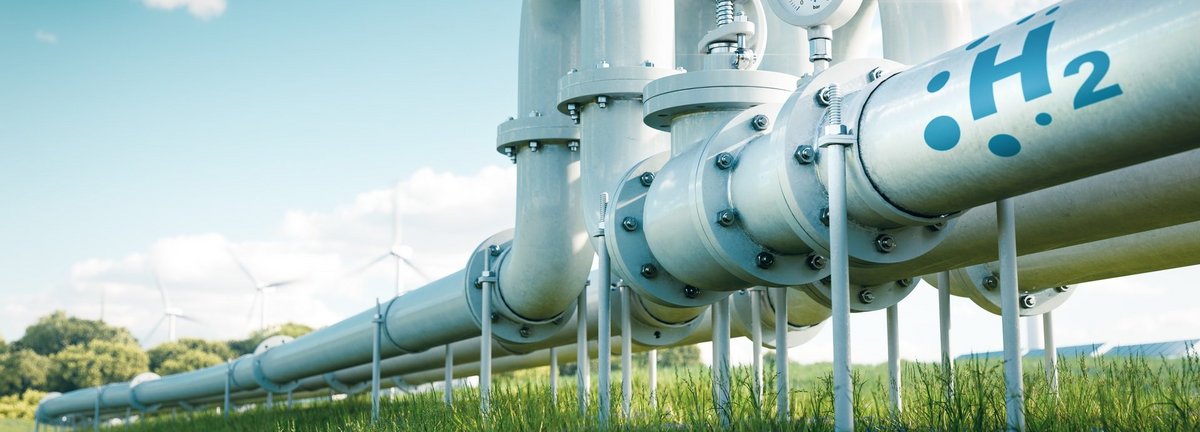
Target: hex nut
x=816 y=262
x=760 y=122
x=629 y=223
x=647 y=178
x=866 y=296
x=885 y=243
x=764 y=260
x=1028 y=301
x=726 y=218
x=805 y=155
x=990 y=282
x=724 y=160
x=649 y=271
x=691 y=291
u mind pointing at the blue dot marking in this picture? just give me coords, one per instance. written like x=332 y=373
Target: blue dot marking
x=1052 y=10
x=1022 y=21
x=1004 y=145
x=976 y=43
x=942 y=133
x=938 y=81
x=1043 y=119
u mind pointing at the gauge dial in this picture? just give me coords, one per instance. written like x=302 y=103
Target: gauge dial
x=809 y=13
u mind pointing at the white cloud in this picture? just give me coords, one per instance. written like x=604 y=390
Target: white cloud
x=444 y=217
x=202 y=9
x=45 y=37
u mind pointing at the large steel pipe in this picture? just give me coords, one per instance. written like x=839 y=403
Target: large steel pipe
x=1073 y=90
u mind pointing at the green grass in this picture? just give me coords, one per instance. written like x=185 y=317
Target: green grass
x=15 y=425
x=1096 y=394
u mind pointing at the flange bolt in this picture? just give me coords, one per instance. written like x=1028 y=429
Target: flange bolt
x=825 y=216
x=874 y=74
x=649 y=271
x=816 y=262
x=905 y=283
x=760 y=122
x=525 y=332
x=647 y=178
x=629 y=223
x=885 y=243
x=764 y=260
x=990 y=282
x=866 y=296
x=691 y=291
x=724 y=160
x=1028 y=301
x=1063 y=288
x=726 y=218
x=805 y=154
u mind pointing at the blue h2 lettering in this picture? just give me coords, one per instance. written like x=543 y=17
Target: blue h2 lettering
x=1031 y=65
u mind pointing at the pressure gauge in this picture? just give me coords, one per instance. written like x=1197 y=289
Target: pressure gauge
x=809 y=13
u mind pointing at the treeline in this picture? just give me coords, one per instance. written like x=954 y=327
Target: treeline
x=61 y=353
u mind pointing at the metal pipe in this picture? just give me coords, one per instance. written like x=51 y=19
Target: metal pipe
x=834 y=158
x=1070 y=125
x=720 y=361
x=582 y=365
x=626 y=355
x=944 y=332
x=893 y=348
x=1014 y=397
x=448 y=388
x=485 y=346
x=1050 y=351
x=782 y=404
x=756 y=343
x=604 y=322
x=652 y=366
x=376 y=341
x=554 y=376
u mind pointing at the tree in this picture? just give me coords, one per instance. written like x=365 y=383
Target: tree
x=247 y=345
x=682 y=356
x=53 y=333
x=98 y=362
x=21 y=370
x=166 y=351
x=188 y=361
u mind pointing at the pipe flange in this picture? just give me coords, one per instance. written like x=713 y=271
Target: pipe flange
x=631 y=256
x=141 y=378
x=878 y=232
x=864 y=298
x=646 y=328
x=341 y=387
x=730 y=245
x=269 y=385
x=386 y=335
x=981 y=284
x=550 y=129
x=741 y=320
x=506 y=324
x=712 y=90
x=578 y=88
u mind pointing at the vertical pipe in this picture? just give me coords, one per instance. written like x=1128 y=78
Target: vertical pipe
x=228 y=376
x=582 y=360
x=1051 y=352
x=944 y=332
x=448 y=387
x=485 y=345
x=893 y=345
x=626 y=355
x=604 y=323
x=375 y=342
x=720 y=360
x=96 y=415
x=843 y=408
x=289 y=400
x=756 y=340
x=652 y=360
x=554 y=376
x=781 y=356
x=270 y=400
x=1014 y=398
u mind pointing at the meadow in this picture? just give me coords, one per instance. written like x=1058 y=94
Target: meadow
x=1095 y=394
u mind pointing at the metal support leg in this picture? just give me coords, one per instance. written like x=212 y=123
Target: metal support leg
x=582 y=359
x=604 y=325
x=756 y=341
x=626 y=355
x=485 y=346
x=781 y=356
x=720 y=361
x=228 y=377
x=270 y=400
x=96 y=415
x=554 y=376
x=653 y=366
x=893 y=339
x=376 y=336
x=1014 y=397
x=448 y=380
x=1051 y=352
x=944 y=332
x=289 y=400
x=835 y=156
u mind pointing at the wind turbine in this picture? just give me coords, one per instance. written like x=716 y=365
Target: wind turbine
x=170 y=313
x=261 y=290
x=397 y=250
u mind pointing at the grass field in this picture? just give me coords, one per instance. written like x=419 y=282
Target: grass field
x=1095 y=395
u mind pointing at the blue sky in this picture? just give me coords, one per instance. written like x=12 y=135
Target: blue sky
x=139 y=134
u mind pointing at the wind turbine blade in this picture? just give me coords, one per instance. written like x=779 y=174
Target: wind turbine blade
x=414 y=268
x=282 y=283
x=155 y=328
x=161 y=291
x=395 y=215
x=253 y=302
x=369 y=264
x=190 y=319
x=242 y=266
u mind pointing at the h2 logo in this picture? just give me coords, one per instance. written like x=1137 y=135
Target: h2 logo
x=1031 y=67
